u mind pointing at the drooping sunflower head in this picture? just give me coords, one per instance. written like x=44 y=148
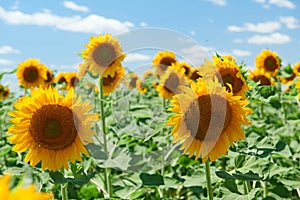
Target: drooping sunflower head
x=110 y=83
x=171 y=83
x=31 y=73
x=72 y=79
x=269 y=61
x=27 y=193
x=103 y=54
x=207 y=119
x=259 y=75
x=53 y=127
x=162 y=61
x=4 y=92
x=131 y=80
x=230 y=75
x=296 y=69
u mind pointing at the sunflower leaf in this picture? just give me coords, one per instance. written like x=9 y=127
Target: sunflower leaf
x=152 y=179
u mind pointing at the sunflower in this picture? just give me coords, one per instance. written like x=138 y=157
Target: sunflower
x=207 y=119
x=28 y=193
x=141 y=87
x=110 y=83
x=82 y=70
x=259 y=75
x=103 y=55
x=50 y=78
x=31 y=73
x=288 y=80
x=162 y=61
x=170 y=83
x=269 y=61
x=195 y=74
x=4 y=92
x=184 y=67
x=53 y=127
x=230 y=75
x=133 y=77
x=62 y=79
x=72 y=79
x=296 y=69
x=147 y=74
x=297 y=85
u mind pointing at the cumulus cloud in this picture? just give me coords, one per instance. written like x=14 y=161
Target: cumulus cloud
x=73 y=6
x=8 y=50
x=279 y=3
x=274 y=38
x=91 y=24
x=218 y=2
x=6 y=62
x=262 y=27
x=290 y=22
x=241 y=53
x=132 y=57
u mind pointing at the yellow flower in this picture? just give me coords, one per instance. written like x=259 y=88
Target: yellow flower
x=170 y=83
x=110 y=83
x=53 y=127
x=4 y=92
x=28 y=193
x=230 y=75
x=289 y=80
x=297 y=85
x=162 y=61
x=31 y=73
x=207 y=119
x=296 y=69
x=141 y=87
x=260 y=75
x=103 y=55
x=61 y=78
x=72 y=79
x=184 y=67
x=268 y=61
x=195 y=74
x=82 y=70
x=50 y=78
x=133 y=77
x=147 y=74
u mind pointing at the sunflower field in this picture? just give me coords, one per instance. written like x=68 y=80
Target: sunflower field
x=176 y=131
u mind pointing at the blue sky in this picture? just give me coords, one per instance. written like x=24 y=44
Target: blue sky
x=56 y=31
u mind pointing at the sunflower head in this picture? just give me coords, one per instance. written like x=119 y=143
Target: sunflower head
x=269 y=61
x=259 y=75
x=162 y=60
x=230 y=75
x=31 y=73
x=103 y=54
x=20 y=192
x=170 y=83
x=141 y=87
x=183 y=67
x=296 y=69
x=83 y=68
x=72 y=79
x=207 y=119
x=147 y=74
x=195 y=74
x=4 y=92
x=131 y=80
x=110 y=83
x=53 y=127
x=62 y=79
x=50 y=78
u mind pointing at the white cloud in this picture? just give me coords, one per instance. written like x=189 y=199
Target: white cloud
x=290 y=22
x=218 y=2
x=90 y=24
x=280 y=3
x=196 y=54
x=283 y=3
x=6 y=62
x=241 y=53
x=72 y=67
x=73 y=6
x=193 y=33
x=274 y=38
x=132 y=57
x=8 y=50
x=143 y=24
x=262 y=27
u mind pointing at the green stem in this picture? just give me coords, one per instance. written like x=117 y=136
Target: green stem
x=64 y=187
x=163 y=153
x=265 y=186
x=208 y=181
x=102 y=115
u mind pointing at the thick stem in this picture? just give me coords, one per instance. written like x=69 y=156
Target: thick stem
x=64 y=188
x=208 y=181
x=102 y=115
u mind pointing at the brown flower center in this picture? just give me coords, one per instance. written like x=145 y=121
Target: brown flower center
x=263 y=80
x=195 y=75
x=53 y=127
x=74 y=81
x=186 y=70
x=270 y=63
x=49 y=77
x=132 y=82
x=62 y=80
x=235 y=83
x=172 y=82
x=108 y=81
x=31 y=74
x=208 y=117
x=104 y=55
